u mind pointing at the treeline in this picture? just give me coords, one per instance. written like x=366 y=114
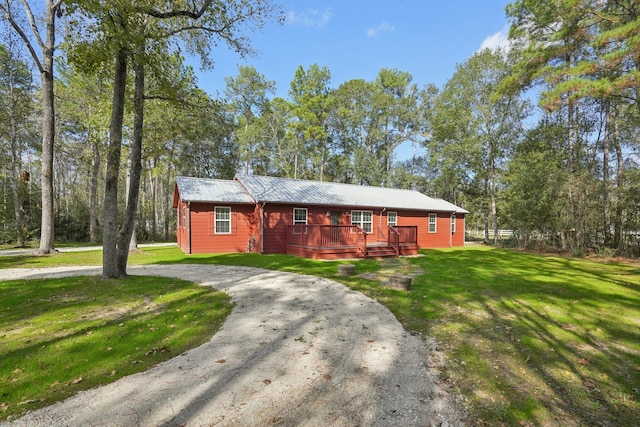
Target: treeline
x=541 y=138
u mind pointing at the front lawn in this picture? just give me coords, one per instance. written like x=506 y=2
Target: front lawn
x=60 y=336
x=531 y=340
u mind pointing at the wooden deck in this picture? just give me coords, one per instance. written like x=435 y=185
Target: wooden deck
x=349 y=241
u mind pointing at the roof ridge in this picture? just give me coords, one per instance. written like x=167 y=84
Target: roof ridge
x=239 y=176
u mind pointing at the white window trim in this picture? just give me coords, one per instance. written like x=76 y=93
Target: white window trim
x=395 y=214
x=215 y=220
x=306 y=216
x=453 y=222
x=435 y=223
x=361 y=222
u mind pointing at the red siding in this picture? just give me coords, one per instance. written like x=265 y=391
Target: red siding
x=244 y=224
x=196 y=235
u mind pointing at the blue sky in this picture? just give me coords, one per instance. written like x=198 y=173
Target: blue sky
x=356 y=38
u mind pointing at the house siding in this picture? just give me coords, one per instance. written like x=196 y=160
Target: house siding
x=195 y=226
x=244 y=224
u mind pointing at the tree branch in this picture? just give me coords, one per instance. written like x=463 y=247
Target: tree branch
x=176 y=13
x=7 y=13
x=32 y=22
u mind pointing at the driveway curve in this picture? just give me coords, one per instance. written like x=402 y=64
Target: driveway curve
x=296 y=350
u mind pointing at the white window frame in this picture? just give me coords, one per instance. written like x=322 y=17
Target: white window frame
x=218 y=210
x=434 y=223
x=367 y=226
x=300 y=221
x=453 y=222
x=395 y=218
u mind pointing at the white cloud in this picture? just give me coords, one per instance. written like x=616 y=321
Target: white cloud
x=497 y=40
x=311 y=17
x=382 y=28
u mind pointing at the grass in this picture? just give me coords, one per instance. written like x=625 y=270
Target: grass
x=530 y=339
x=60 y=336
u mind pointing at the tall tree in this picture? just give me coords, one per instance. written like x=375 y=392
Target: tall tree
x=16 y=109
x=369 y=120
x=130 y=30
x=247 y=94
x=310 y=93
x=41 y=46
x=578 y=49
x=474 y=128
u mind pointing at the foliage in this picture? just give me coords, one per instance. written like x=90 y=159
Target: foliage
x=474 y=129
x=61 y=336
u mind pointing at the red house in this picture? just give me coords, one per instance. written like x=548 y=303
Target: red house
x=310 y=219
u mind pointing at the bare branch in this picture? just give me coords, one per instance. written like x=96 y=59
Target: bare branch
x=32 y=22
x=7 y=13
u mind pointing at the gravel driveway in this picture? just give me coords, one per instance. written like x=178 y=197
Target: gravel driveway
x=296 y=350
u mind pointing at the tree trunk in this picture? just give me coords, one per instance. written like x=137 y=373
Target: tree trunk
x=48 y=135
x=605 y=176
x=135 y=171
x=15 y=179
x=15 y=184
x=617 y=238
x=110 y=266
x=93 y=208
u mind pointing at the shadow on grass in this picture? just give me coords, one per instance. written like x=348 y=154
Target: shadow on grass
x=64 y=335
x=535 y=339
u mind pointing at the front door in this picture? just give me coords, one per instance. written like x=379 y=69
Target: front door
x=336 y=218
x=336 y=232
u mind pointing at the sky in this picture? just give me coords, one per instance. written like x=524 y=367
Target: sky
x=354 y=39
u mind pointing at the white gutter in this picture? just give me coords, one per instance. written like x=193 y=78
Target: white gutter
x=262 y=227
x=189 y=227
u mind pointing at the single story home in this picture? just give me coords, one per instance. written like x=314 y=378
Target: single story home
x=310 y=219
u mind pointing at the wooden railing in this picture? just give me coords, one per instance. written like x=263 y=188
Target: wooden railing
x=407 y=234
x=393 y=239
x=328 y=237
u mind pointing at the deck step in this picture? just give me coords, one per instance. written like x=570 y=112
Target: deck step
x=380 y=252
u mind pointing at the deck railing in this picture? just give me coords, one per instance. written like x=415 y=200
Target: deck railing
x=407 y=235
x=327 y=237
x=393 y=239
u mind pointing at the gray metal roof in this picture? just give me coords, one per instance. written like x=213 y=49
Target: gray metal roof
x=291 y=191
x=212 y=190
x=451 y=207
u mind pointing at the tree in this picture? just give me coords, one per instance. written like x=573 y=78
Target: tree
x=128 y=31
x=369 y=120
x=535 y=180
x=44 y=62
x=83 y=111
x=474 y=128
x=247 y=94
x=310 y=94
x=580 y=50
x=16 y=109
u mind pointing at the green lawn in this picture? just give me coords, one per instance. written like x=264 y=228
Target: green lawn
x=60 y=336
x=530 y=340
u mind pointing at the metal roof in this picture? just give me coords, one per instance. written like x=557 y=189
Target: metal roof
x=212 y=190
x=292 y=191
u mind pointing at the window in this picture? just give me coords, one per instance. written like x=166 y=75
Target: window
x=433 y=220
x=184 y=217
x=364 y=219
x=222 y=220
x=299 y=216
x=453 y=222
x=392 y=218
